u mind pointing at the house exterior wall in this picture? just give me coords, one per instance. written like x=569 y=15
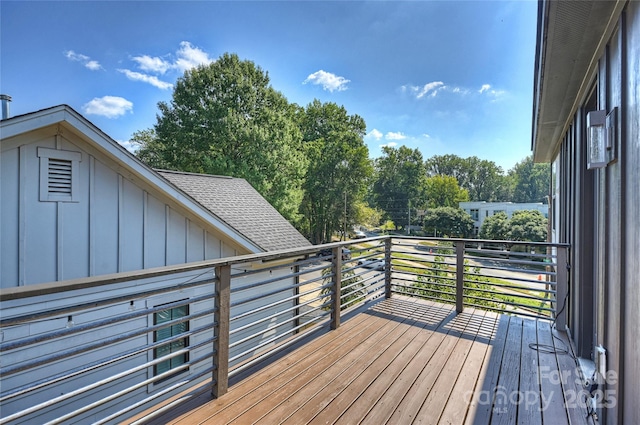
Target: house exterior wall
x=115 y=224
x=481 y=210
x=110 y=220
x=131 y=302
x=596 y=211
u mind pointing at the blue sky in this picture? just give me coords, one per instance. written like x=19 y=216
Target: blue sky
x=441 y=76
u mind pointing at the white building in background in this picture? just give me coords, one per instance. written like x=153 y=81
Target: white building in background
x=480 y=210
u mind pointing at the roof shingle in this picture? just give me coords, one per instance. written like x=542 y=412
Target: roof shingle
x=237 y=203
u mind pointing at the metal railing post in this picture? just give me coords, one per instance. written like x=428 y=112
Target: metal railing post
x=221 y=343
x=459 y=276
x=387 y=267
x=562 y=289
x=336 y=269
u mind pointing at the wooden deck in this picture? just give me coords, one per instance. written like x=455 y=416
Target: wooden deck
x=407 y=361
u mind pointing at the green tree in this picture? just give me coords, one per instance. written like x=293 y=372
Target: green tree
x=399 y=182
x=529 y=181
x=495 y=227
x=528 y=226
x=448 y=221
x=339 y=169
x=443 y=191
x=483 y=179
x=367 y=216
x=225 y=118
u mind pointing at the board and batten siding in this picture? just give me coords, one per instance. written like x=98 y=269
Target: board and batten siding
x=599 y=217
x=113 y=225
x=252 y=340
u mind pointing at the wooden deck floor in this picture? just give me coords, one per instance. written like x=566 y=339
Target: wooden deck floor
x=406 y=361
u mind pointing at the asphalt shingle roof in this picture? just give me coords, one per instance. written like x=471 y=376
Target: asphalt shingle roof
x=238 y=204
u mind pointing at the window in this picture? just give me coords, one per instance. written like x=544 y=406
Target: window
x=168 y=333
x=474 y=214
x=59 y=175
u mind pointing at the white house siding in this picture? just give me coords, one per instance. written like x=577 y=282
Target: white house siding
x=240 y=292
x=134 y=303
x=116 y=225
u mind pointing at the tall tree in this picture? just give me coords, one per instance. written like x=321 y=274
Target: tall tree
x=225 y=118
x=530 y=181
x=339 y=169
x=483 y=179
x=399 y=183
x=443 y=191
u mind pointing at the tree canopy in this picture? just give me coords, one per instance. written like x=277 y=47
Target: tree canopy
x=225 y=118
x=526 y=225
x=482 y=179
x=399 y=182
x=448 y=221
x=338 y=172
x=443 y=191
x=529 y=181
x=495 y=227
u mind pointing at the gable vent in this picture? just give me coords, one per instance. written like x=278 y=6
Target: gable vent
x=59 y=176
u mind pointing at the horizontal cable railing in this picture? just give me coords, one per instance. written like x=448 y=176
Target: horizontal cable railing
x=521 y=279
x=113 y=348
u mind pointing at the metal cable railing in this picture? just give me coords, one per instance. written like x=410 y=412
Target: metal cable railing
x=105 y=349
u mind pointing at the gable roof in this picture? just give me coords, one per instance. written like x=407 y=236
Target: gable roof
x=238 y=204
x=270 y=230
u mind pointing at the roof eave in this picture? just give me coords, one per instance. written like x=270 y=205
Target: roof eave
x=571 y=38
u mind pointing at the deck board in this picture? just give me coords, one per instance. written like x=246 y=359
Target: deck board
x=405 y=361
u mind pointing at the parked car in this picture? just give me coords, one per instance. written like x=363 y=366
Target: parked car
x=346 y=253
x=359 y=235
x=372 y=263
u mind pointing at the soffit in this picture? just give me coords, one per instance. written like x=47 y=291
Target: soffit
x=571 y=35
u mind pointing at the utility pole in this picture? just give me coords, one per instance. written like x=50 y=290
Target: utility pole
x=344 y=224
x=409 y=219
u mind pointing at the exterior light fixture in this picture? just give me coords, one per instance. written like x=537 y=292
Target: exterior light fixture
x=601 y=137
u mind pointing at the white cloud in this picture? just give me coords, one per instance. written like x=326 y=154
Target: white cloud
x=156 y=65
x=389 y=145
x=459 y=90
x=492 y=93
x=129 y=145
x=108 y=106
x=374 y=134
x=190 y=57
x=431 y=88
x=151 y=79
x=93 y=65
x=426 y=136
x=395 y=136
x=327 y=80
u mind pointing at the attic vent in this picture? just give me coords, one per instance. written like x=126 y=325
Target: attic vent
x=58 y=175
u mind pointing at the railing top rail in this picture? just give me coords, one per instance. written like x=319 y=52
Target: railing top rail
x=21 y=292
x=487 y=241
